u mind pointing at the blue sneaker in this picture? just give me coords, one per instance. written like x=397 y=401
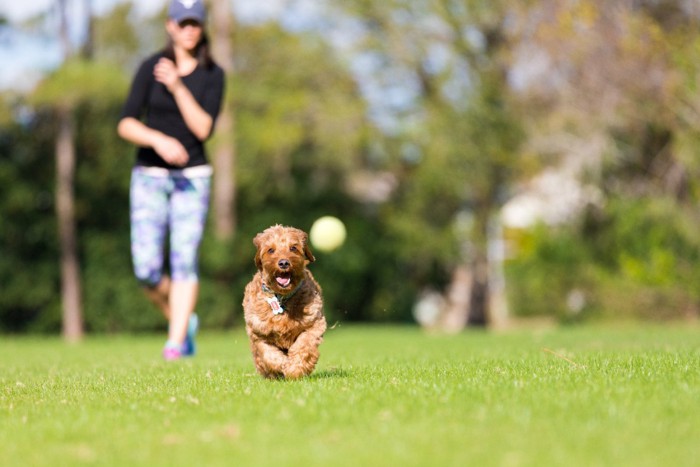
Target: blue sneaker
x=188 y=347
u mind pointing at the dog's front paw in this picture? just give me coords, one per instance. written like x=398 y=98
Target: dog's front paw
x=269 y=360
x=296 y=371
x=298 y=367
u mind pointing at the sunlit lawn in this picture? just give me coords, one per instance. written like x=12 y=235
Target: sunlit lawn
x=384 y=396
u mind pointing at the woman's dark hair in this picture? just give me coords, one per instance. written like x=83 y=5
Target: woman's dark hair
x=202 y=53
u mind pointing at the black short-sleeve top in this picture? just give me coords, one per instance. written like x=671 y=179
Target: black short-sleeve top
x=151 y=102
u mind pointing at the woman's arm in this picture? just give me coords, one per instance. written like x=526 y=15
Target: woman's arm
x=196 y=118
x=167 y=147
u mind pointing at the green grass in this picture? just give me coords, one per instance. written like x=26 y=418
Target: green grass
x=385 y=396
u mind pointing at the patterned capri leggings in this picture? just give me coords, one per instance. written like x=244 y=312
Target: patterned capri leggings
x=168 y=201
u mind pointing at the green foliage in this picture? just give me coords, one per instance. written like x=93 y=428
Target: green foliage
x=297 y=109
x=452 y=149
x=451 y=184
x=651 y=246
x=78 y=81
x=301 y=133
x=301 y=130
x=27 y=226
x=115 y=36
x=633 y=260
x=549 y=265
x=380 y=395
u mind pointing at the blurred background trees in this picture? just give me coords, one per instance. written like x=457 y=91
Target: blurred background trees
x=490 y=159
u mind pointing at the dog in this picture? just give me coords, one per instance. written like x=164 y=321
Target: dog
x=283 y=305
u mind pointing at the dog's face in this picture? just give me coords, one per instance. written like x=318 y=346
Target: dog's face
x=282 y=254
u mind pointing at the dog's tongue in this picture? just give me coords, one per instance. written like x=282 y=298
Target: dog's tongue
x=284 y=280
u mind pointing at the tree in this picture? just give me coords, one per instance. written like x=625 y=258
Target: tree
x=116 y=37
x=612 y=92
x=225 y=153
x=77 y=82
x=457 y=142
x=301 y=133
x=28 y=227
x=65 y=203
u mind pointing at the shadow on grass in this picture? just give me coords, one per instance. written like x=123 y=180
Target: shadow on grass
x=329 y=373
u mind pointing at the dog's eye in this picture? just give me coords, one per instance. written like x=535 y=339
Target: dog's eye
x=270 y=251
x=293 y=248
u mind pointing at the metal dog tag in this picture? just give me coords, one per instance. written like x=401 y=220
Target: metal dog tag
x=275 y=305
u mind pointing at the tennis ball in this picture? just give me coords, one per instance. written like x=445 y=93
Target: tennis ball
x=327 y=233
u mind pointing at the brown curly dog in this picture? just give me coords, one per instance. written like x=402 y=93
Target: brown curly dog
x=283 y=306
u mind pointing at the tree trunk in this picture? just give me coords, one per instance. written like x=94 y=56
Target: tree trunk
x=224 y=180
x=479 y=306
x=224 y=190
x=88 y=49
x=63 y=33
x=459 y=297
x=72 y=326
x=497 y=299
x=468 y=293
x=65 y=212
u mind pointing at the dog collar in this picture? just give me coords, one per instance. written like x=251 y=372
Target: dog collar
x=276 y=302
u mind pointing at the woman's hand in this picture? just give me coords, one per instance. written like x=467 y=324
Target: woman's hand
x=165 y=72
x=198 y=121
x=168 y=148
x=171 y=150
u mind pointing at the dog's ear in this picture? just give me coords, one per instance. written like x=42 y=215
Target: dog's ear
x=307 y=250
x=257 y=241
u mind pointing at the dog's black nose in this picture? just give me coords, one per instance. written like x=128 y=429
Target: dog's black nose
x=283 y=264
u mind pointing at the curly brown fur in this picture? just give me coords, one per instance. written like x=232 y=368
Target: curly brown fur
x=285 y=344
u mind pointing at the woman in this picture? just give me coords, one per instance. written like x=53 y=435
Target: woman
x=173 y=104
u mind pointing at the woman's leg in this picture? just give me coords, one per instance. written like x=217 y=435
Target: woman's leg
x=183 y=300
x=159 y=295
x=188 y=212
x=149 y=224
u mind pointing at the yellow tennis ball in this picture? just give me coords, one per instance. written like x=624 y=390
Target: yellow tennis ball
x=327 y=233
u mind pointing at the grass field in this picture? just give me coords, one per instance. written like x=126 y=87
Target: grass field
x=384 y=396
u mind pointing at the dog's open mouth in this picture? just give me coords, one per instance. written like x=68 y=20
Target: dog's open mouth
x=284 y=279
